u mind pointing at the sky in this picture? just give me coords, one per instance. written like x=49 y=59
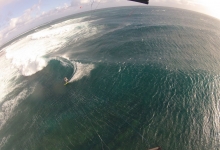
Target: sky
x=19 y=16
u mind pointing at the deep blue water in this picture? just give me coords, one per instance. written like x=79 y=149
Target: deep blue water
x=140 y=77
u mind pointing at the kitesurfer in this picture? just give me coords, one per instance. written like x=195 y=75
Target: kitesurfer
x=66 y=80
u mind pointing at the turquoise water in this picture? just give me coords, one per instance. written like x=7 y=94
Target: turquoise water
x=140 y=77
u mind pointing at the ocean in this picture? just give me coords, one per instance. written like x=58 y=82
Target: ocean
x=139 y=77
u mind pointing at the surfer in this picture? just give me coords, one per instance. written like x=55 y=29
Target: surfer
x=66 y=80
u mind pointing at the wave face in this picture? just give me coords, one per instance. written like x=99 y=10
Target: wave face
x=138 y=78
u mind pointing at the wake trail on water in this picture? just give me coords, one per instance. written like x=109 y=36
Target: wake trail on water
x=81 y=70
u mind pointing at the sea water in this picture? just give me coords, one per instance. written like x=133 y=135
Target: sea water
x=140 y=77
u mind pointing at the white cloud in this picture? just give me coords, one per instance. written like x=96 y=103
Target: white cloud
x=5 y=33
x=84 y=1
x=29 y=20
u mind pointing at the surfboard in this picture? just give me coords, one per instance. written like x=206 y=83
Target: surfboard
x=156 y=148
x=66 y=83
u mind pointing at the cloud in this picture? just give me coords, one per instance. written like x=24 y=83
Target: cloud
x=75 y=3
x=84 y=1
x=30 y=20
x=18 y=22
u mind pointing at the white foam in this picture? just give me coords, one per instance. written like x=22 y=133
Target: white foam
x=7 y=74
x=27 y=54
x=9 y=105
x=81 y=70
x=4 y=140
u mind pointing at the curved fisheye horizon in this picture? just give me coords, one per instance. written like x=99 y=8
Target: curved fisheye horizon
x=20 y=16
x=101 y=74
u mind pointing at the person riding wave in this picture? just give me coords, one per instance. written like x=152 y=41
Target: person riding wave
x=66 y=80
